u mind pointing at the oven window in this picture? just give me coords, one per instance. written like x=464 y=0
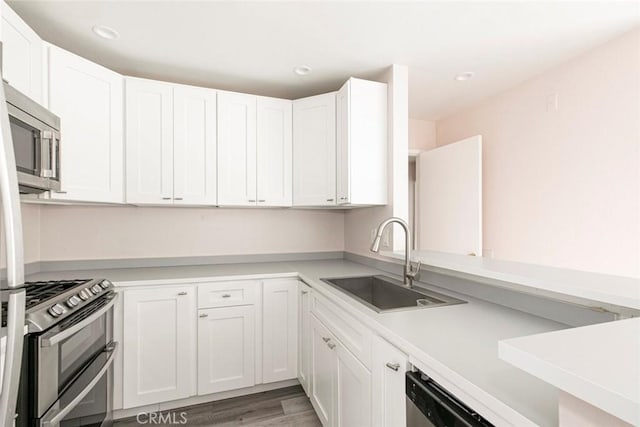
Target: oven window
x=79 y=349
x=26 y=146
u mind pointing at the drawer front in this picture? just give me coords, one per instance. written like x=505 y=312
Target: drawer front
x=228 y=294
x=356 y=337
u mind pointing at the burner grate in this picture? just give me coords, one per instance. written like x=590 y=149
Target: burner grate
x=38 y=292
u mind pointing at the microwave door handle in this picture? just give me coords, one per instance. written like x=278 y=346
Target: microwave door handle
x=46 y=143
x=55 y=154
x=55 y=416
x=49 y=341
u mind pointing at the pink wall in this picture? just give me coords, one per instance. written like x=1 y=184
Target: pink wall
x=422 y=134
x=106 y=232
x=562 y=186
x=31 y=234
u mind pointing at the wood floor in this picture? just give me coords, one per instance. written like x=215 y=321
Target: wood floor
x=283 y=407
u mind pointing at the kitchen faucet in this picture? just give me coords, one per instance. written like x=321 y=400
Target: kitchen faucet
x=409 y=274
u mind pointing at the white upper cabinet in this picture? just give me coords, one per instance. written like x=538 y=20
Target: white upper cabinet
x=88 y=99
x=362 y=143
x=171 y=143
x=274 y=151
x=314 y=151
x=22 y=55
x=236 y=149
x=194 y=146
x=149 y=132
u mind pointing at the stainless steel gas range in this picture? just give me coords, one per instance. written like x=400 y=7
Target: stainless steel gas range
x=67 y=377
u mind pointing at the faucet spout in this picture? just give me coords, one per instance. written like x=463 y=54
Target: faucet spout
x=409 y=275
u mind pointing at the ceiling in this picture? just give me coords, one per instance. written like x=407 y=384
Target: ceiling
x=253 y=46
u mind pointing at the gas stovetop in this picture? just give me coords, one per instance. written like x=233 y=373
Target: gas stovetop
x=40 y=292
x=52 y=301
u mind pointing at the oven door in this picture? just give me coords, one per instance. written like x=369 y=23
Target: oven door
x=73 y=368
x=88 y=400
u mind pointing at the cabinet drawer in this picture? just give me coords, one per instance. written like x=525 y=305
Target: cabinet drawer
x=356 y=337
x=228 y=294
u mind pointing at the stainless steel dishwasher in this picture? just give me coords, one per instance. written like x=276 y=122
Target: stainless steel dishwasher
x=430 y=405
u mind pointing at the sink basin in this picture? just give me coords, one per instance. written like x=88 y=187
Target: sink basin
x=383 y=294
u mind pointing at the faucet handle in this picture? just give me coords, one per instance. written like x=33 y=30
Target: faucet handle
x=413 y=273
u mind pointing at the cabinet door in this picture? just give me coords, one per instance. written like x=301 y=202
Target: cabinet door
x=362 y=141
x=323 y=361
x=304 y=337
x=88 y=99
x=280 y=330
x=194 y=146
x=149 y=148
x=274 y=150
x=352 y=390
x=159 y=349
x=22 y=53
x=236 y=149
x=314 y=151
x=226 y=348
x=342 y=144
x=388 y=384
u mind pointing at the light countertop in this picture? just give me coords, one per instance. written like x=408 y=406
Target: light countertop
x=456 y=345
x=613 y=293
x=599 y=364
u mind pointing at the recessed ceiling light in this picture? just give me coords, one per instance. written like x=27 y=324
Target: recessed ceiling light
x=465 y=76
x=105 y=32
x=302 y=70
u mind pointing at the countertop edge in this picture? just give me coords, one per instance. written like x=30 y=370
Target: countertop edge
x=571 y=383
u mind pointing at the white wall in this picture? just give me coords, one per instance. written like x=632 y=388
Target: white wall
x=104 y=232
x=562 y=187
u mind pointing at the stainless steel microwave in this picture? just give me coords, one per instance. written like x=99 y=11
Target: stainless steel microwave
x=35 y=132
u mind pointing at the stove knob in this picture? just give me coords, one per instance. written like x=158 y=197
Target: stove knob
x=56 y=310
x=106 y=284
x=73 y=301
x=96 y=289
x=85 y=294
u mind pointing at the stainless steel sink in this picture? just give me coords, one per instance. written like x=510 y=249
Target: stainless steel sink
x=383 y=294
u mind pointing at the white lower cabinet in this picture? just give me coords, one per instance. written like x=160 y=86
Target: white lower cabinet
x=159 y=342
x=304 y=336
x=279 y=330
x=340 y=383
x=388 y=384
x=323 y=363
x=212 y=337
x=226 y=348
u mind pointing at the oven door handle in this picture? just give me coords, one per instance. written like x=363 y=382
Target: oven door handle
x=55 y=339
x=53 y=417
